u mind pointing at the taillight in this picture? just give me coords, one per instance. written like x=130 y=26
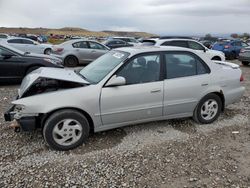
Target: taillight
x=58 y=49
x=226 y=46
x=241 y=78
x=242 y=50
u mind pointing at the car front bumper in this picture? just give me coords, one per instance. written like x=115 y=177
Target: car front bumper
x=244 y=58
x=26 y=123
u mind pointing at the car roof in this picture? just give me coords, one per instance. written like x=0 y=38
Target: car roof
x=144 y=49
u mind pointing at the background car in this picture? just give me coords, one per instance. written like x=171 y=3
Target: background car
x=244 y=56
x=15 y=64
x=129 y=40
x=116 y=43
x=28 y=45
x=186 y=43
x=3 y=36
x=80 y=51
x=124 y=87
x=231 y=48
x=207 y=43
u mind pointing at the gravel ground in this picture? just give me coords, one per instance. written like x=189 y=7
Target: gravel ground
x=176 y=153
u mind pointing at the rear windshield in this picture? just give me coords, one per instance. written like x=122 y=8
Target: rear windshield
x=148 y=42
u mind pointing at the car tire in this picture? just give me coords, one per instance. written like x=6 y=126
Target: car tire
x=232 y=56
x=71 y=61
x=32 y=69
x=208 y=109
x=245 y=63
x=47 y=51
x=216 y=58
x=66 y=130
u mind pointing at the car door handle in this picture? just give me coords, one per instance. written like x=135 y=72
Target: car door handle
x=205 y=84
x=155 y=91
x=93 y=51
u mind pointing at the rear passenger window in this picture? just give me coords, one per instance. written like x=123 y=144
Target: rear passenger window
x=195 y=45
x=177 y=43
x=82 y=44
x=16 y=41
x=27 y=41
x=184 y=64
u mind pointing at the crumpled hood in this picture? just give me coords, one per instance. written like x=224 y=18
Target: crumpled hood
x=42 y=56
x=50 y=73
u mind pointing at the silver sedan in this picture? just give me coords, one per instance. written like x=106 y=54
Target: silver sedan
x=79 y=51
x=124 y=87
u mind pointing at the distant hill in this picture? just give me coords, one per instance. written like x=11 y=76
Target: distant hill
x=130 y=34
x=71 y=31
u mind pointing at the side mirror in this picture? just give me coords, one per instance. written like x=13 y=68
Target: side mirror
x=7 y=55
x=116 y=81
x=205 y=49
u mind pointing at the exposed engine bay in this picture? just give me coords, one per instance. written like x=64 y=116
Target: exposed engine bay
x=45 y=85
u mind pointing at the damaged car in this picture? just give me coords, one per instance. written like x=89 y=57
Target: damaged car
x=123 y=87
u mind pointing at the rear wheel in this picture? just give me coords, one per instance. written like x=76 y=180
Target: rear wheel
x=245 y=63
x=71 y=61
x=66 y=129
x=208 y=109
x=47 y=51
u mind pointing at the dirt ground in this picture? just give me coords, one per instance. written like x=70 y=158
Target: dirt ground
x=175 y=153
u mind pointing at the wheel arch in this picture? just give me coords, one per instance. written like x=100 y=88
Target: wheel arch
x=220 y=94
x=216 y=57
x=44 y=117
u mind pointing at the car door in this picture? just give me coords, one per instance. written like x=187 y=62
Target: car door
x=97 y=50
x=31 y=47
x=82 y=51
x=10 y=66
x=140 y=98
x=238 y=47
x=186 y=79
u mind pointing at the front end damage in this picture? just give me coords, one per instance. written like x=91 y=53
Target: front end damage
x=38 y=83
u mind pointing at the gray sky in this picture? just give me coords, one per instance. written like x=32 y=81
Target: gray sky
x=155 y=16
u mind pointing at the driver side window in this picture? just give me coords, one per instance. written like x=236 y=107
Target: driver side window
x=142 y=69
x=4 y=52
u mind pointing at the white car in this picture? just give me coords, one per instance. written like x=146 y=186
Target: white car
x=187 y=43
x=28 y=45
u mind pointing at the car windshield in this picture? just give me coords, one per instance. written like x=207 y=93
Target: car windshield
x=102 y=66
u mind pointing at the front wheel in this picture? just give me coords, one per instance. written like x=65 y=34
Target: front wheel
x=66 y=130
x=208 y=109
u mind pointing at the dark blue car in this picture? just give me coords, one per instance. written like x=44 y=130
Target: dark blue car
x=231 y=48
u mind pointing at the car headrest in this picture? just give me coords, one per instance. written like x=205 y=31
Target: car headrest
x=141 y=61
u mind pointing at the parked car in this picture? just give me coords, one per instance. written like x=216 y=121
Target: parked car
x=15 y=64
x=186 y=43
x=3 y=36
x=124 y=87
x=244 y=56
x=207 y=43
x=28 y=45
x=129 y=40
x=248 y=42
x=116 y=43
x=231 y=48
x=79 y=51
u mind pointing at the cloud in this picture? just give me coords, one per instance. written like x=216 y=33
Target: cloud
x=156 y=16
